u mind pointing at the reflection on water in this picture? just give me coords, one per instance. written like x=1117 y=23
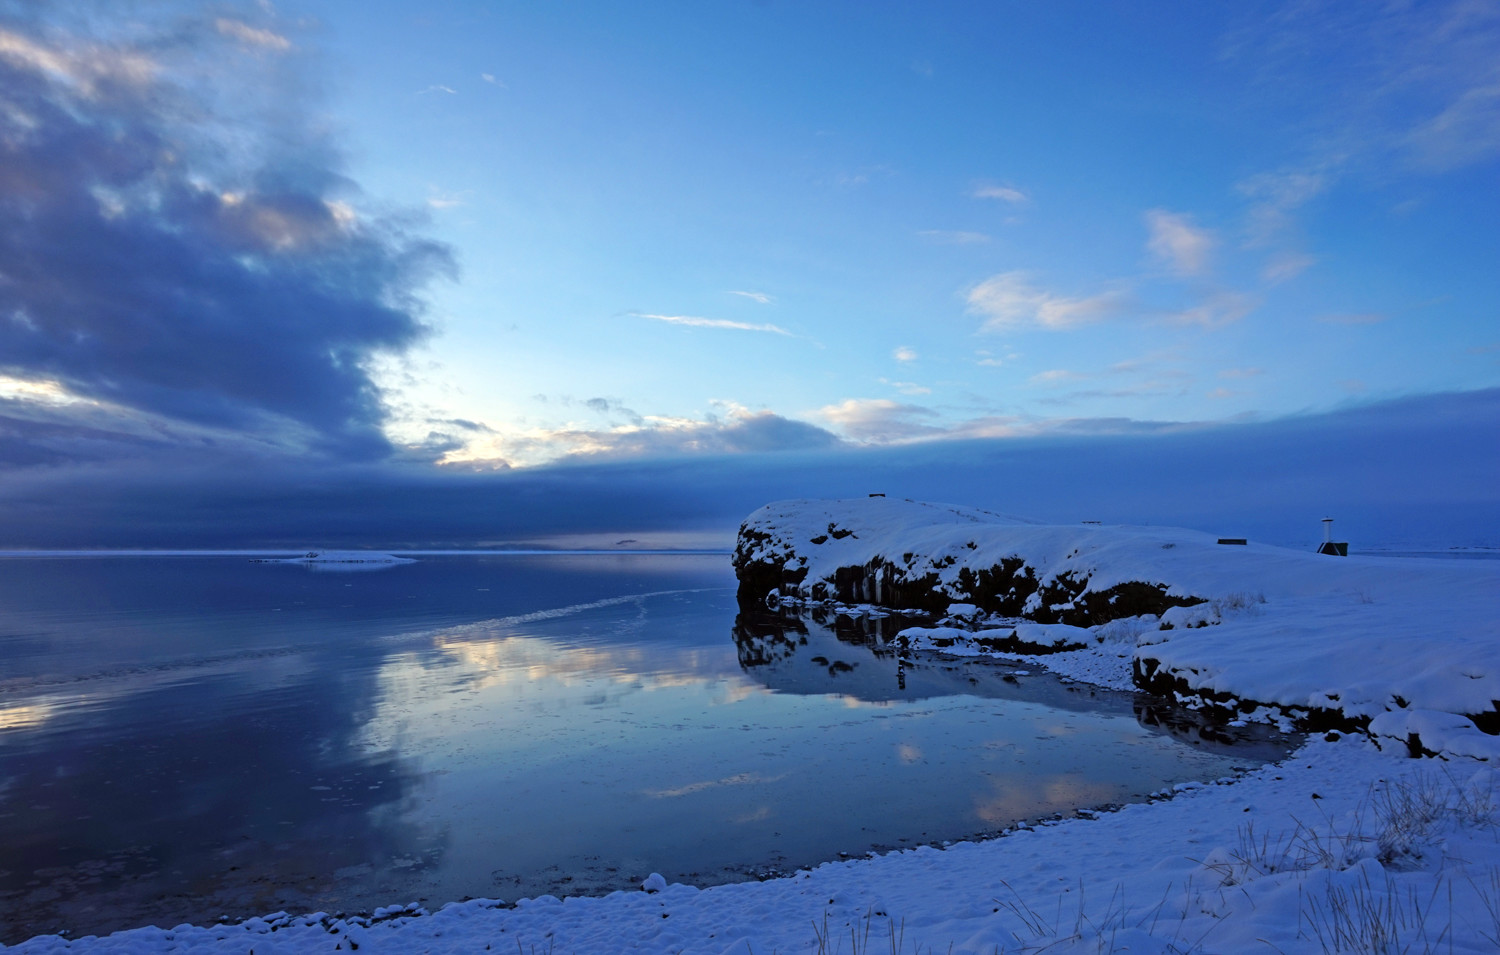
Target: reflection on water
x=189 y=738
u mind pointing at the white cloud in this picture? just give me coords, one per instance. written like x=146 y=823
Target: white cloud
x=760 y=297
x=42 y=390
x=84 y=70
x=252 y=36
x=947 y=237
x=438 y=88
x=441 y=200
x=695 y=321
x=1009 y=301
x=1008 y=194
x=490 y=79
x=1177 y=242
x=907 y=387
x=1219 y=308
x=737 y=430
x=1285 y=266
x=880 y=420
x=1055 y=376
x=904 y=354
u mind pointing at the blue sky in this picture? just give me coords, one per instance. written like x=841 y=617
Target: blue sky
x=982 y=221
x=460 y=237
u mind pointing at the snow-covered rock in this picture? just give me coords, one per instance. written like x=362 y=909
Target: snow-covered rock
x=1329 y=642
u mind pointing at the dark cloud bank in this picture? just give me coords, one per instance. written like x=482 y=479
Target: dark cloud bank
x=1417 y=471
x=178 y=245
x=182 y=259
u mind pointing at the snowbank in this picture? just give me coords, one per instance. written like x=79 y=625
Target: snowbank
x=1405 y=648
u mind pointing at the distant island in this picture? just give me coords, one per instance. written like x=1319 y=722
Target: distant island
x=336 y=557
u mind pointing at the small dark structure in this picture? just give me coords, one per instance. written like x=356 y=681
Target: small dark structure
x=1330 y=546
x=880 y=494
x=1233 y=540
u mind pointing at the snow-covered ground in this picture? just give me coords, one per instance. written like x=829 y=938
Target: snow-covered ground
x=1399 y=645
x=1346 y=846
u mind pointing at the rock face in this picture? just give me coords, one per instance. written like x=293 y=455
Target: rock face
x=906 y=555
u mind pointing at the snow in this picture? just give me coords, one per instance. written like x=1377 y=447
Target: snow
x=338 y=557
x=1403 y=639
x=339 y=561
x=1347 y=845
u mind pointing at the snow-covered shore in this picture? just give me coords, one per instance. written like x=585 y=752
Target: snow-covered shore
x=1405 y=648
x=1348 y=845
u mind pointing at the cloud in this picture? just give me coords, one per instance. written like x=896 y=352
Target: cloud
x=945 y=237
x=880 y=420
x=614 y=409
x=442 y=200
x=907 y=387
x=438 y=88
x=1466 y=132
x=694 y=321
x=252 y=36
x=1398 y=472
x=1055 y=376
x=1286 y=266
x=760 y=297
x=904 y=354
x=1004 y=193
x=1010 y=301
x=1178 y=243
x=87 y=71
x=182 y=247
x=1215 y=309
x=1415 y=89
x=490 y=79
x=1275 y=197
x=738 y=431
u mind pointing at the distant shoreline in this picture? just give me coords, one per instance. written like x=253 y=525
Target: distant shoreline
x=293 y=553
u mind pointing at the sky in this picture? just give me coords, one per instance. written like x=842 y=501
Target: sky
x=339 y=271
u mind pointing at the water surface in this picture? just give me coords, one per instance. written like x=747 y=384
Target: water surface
x=188 y=738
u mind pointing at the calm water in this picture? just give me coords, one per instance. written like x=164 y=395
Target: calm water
x=188 y=738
